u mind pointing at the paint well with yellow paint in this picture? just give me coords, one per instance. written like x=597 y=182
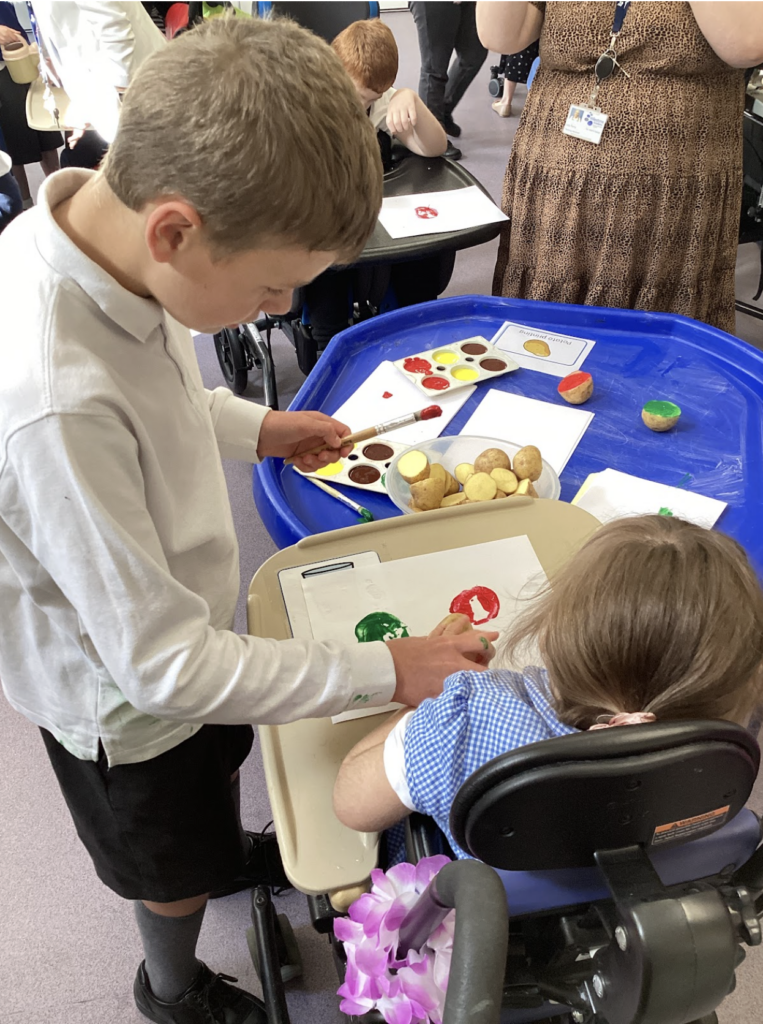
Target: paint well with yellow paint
x=445 y=356
x=465 y=373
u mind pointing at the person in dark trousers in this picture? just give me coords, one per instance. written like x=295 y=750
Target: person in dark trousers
x=443 y=28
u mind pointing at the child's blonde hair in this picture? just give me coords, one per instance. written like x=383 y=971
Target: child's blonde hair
x=368 y=51
x=653 y=614
x=257 y=125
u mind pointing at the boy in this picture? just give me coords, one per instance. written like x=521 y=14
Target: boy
x=368 y=51
x=227 y=186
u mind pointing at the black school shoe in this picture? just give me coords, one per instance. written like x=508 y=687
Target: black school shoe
x=209 y=1000
x=452 y=153
x=450 y=126
x=264 y=867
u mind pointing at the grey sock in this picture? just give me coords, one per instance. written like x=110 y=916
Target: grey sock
x=235 y=792
x=169 y=944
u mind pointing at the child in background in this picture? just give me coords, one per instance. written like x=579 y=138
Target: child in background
x=654 y=619
x=368 y=51
x=119 y=566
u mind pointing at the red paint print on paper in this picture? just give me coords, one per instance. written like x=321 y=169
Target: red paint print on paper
x=387 y=394
x=479 y=604
x=426 y=212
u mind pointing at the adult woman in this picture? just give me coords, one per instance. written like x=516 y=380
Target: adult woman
x=648 y=217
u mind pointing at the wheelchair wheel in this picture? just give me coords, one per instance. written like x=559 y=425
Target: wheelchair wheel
x=231 y=356
x=288 y=951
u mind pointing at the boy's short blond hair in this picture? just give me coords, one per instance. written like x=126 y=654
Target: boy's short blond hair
x=368 y=51
x=257 y=125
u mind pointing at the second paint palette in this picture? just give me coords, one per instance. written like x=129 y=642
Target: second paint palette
x=456 y=365
x=365 y=467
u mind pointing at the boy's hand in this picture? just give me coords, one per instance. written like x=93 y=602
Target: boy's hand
x=422 y=664
x=402 y=113
x=286 y=434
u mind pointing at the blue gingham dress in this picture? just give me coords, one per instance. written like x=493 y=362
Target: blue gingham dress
x=478 y=716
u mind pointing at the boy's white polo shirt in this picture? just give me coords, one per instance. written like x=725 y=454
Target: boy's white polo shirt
x=118 y=559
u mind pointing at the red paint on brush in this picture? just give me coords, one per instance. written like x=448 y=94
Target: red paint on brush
x=431 y=412
x=573 y=380
x=417 y=365
x=485 y=600
x=435 y=383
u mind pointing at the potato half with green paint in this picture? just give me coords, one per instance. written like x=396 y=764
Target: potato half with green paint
x=528 y=464
x=413 y=466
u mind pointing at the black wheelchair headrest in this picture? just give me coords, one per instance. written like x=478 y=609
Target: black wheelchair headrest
x=553 y=804
x=326 y=20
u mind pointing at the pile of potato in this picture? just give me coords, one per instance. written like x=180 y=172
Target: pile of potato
x=492 y=476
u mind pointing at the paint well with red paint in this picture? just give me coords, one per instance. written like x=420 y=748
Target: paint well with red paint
x=431 y=412
x=417 y=365
x=435 y=383
x=573 y=380
x=479 y=604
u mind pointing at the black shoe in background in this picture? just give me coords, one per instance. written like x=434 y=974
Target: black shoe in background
x=450 y=126
x=209 y=999
x=452 y=153
x=263 y=867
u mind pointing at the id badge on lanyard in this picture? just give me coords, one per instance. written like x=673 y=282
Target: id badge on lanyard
x=586 y=120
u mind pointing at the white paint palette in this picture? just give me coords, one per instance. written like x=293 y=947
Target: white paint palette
x=457 y=365
x=365 y=467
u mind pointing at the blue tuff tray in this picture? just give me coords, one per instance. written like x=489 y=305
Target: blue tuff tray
x=715 y=449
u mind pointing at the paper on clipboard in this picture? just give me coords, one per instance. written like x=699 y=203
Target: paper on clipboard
x=291 y=582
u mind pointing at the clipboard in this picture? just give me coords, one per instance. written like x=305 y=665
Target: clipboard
x=301 y=759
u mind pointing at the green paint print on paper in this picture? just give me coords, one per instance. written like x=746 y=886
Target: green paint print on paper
x=380 y=626
x=665 y=511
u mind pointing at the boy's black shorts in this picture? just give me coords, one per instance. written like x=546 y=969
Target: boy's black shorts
x=164 y=829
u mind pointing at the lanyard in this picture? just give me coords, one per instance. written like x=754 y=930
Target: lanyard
x=606 y=64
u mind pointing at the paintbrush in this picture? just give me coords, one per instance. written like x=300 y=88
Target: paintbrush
x=364 y=514
x=430 y=413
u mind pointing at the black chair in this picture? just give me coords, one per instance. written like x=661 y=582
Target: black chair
x=632 y=874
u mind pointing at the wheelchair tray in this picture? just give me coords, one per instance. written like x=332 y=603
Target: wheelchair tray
x=302 y=759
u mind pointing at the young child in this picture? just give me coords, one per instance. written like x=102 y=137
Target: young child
x=368 y=51
x=654 y=619
x=118 y=559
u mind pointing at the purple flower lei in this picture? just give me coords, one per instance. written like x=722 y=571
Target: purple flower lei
x=407 y=991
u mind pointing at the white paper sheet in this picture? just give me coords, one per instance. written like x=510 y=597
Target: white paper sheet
x=555 y=429
x=491 y=581
x=430 y=213
x=290 y=581
x=565 y=353
x=613 y=495
x=368 y=406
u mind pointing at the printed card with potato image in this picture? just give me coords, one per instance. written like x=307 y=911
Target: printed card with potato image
x=555 y=354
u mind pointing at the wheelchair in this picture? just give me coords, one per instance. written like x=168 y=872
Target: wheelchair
x=617 y=879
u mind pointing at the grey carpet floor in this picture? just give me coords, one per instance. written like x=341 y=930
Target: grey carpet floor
x=69 y=947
